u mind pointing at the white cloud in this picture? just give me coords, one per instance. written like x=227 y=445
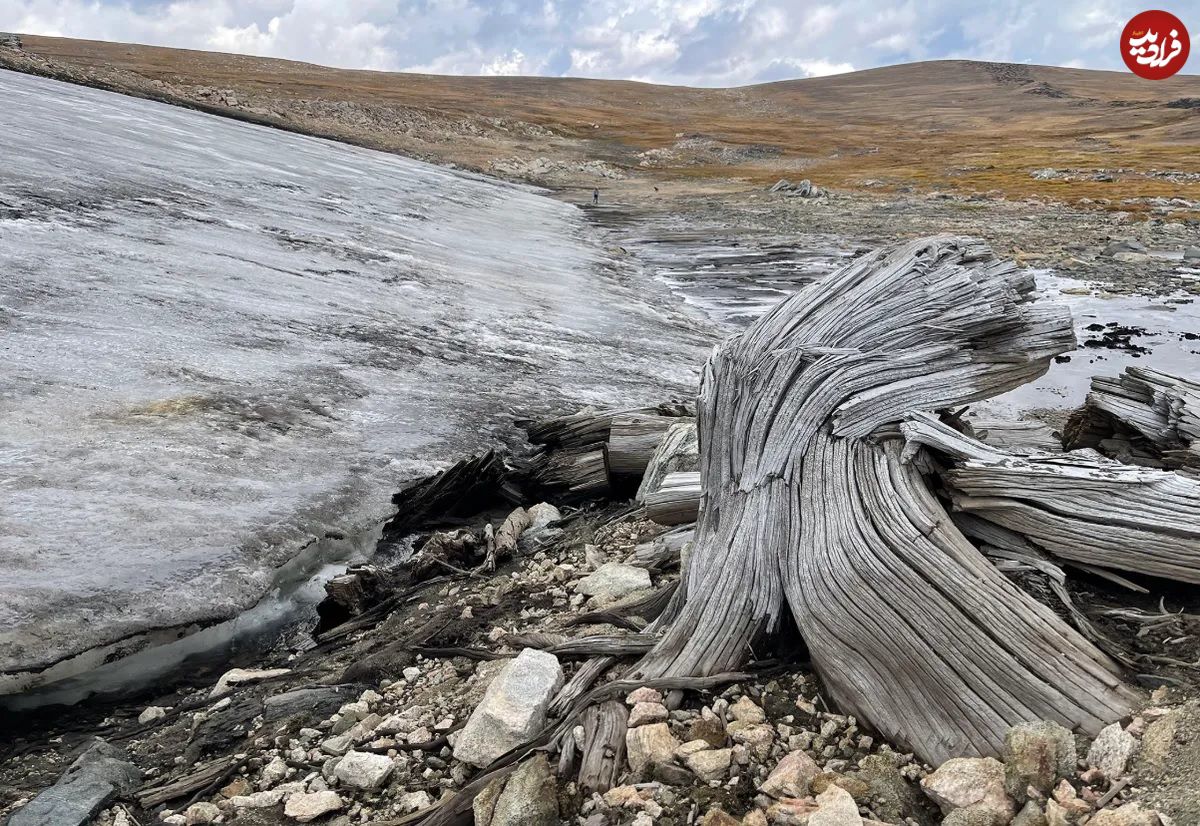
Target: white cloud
x=697 y=42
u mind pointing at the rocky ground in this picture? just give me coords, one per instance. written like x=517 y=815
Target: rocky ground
x=437 y=667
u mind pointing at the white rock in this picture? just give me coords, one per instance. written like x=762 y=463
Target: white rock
x=414 y=801
x=274 y=772
x=975 y=783
x=513 y=708
x=363 y=770
x=614 y=580
x=711 y=764
x=643 y=713
x=747 y=711
x=304 y=807
x=240 y=676
x=1111 y=750
x=411 y=673
x=645 y=745
x=835 y=807
x=151 y=714
x=258 y=800
x=199 y=814
x=792 y=776
x=541 y=515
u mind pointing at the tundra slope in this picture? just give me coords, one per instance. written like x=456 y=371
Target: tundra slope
x=224 y=344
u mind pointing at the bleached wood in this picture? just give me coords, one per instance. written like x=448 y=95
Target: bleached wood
x=910 y=627
x=676 y=501
x=632 y=440
x=678 y=451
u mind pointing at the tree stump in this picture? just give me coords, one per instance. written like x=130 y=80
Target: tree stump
x=809 y=506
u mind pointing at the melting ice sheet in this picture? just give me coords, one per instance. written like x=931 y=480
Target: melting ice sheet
x=219 y=342
x=1114 y=332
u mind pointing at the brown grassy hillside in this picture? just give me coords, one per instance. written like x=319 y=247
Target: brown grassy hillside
x=955 y=125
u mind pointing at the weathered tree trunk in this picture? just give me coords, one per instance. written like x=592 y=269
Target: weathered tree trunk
x=676 y=501
x=808 y=506
x=677 y=452
x=1143 y=417
x=632 y=441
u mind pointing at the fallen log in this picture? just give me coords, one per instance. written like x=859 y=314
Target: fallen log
x=1142 y=417
x=676 y=501
x=805 y=509
x=1064 y=505
x=632 y=440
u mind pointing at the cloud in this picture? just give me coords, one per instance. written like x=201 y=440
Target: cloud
x=693 y=42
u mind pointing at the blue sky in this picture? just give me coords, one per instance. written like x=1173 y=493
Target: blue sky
x=693 y=42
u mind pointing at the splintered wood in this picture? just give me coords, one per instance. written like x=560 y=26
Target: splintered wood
x=810 y=505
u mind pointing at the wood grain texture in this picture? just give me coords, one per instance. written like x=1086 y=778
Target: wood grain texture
x=808 y=505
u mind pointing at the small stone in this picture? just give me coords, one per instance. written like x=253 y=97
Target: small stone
x=530 y=797
x=790 y=778
x=614 y=580
x=970 y=782
x=758 y=737
x=201 y=813
x=414 y=801
x=747 y=711
x=835 y=807
x=237 y=787
x=484 y=803
x=1037 y=755
x=649 y=744
x=754 y=817
x=719 y=817
x=258 y=800
x=1030 y=815
x=152 y=713
x=363 y=770
x=709 y=729
x=1112 y=750
x=541 y=515
x=791 y=811
x=711 y=764
x=274 y=772
x=644 y=695
x=304 y=807
x=1131 y=814
x=643 y=713
x=411 y=673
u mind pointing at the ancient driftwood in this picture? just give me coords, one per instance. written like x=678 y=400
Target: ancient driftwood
x=679 y=450
x=632 y=440
x=1095 y=512
x=1143 y=417
x=603 y=746
x=676 y=501
x=808 y=506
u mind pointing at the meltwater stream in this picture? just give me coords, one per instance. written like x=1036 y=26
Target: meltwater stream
x=223 y=343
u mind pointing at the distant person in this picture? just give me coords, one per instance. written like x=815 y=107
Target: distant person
x=595 y=197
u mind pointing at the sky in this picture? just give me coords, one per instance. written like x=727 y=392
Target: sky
x=689 y=42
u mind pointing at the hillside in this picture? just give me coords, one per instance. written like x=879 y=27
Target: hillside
x=952 y=125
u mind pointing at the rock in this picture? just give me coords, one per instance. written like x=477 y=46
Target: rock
x=970 y=817
x=754 y=817
x=152 y=713
x=1112 y=750
x=304 y=807
x=513 y=708
x=758 y=737
x=1030 y=815
x=708 y=729
x=541 y=515
x=614 y=580
x=316 y=702
x=1037 y=755
x=643 y=713
x=971 y=783
x=414 y=801
x=835 y=807
x=411 y=674
x=710 y=764
x=790 y=778
x=644 y=695
x=1131 y=814
x=530 y=797
x=719 y=817
x=87 y=786
x=892 y=797
x=791 y=811
x=646 y=745
x=363 y=770
x=274 y=772
x=258 y=800
x=199 y=814
x=484 y=803
x=747 y=711
x=1123 y=246
x=241 y=676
